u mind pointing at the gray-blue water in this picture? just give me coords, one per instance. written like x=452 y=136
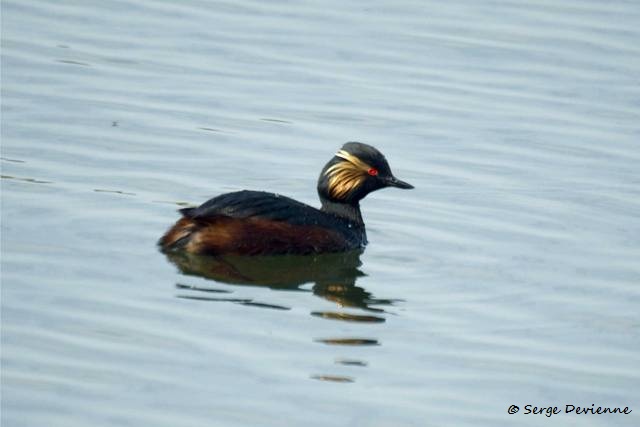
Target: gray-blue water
x=509 y=276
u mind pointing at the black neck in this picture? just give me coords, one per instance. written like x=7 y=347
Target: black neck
x=348 y=211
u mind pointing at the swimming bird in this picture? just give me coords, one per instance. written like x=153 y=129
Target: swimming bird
x=261 y=223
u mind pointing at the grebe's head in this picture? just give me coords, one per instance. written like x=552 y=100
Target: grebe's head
x=356 y=170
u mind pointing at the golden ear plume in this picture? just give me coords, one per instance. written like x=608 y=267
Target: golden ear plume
x=347 y=175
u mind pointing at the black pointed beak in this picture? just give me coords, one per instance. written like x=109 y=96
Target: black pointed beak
x=392 y=181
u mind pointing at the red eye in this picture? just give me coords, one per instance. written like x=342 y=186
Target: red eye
x=373 y=171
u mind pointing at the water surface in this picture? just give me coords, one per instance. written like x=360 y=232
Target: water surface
x=508 y=276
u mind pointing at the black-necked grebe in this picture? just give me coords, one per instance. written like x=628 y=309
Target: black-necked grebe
x=261 y=223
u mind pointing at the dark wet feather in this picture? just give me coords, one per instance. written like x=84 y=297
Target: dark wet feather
x=260 y=204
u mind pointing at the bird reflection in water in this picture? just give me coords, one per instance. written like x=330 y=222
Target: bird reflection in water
x=333 y=277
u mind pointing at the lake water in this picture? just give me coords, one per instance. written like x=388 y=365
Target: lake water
x=509 y=276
